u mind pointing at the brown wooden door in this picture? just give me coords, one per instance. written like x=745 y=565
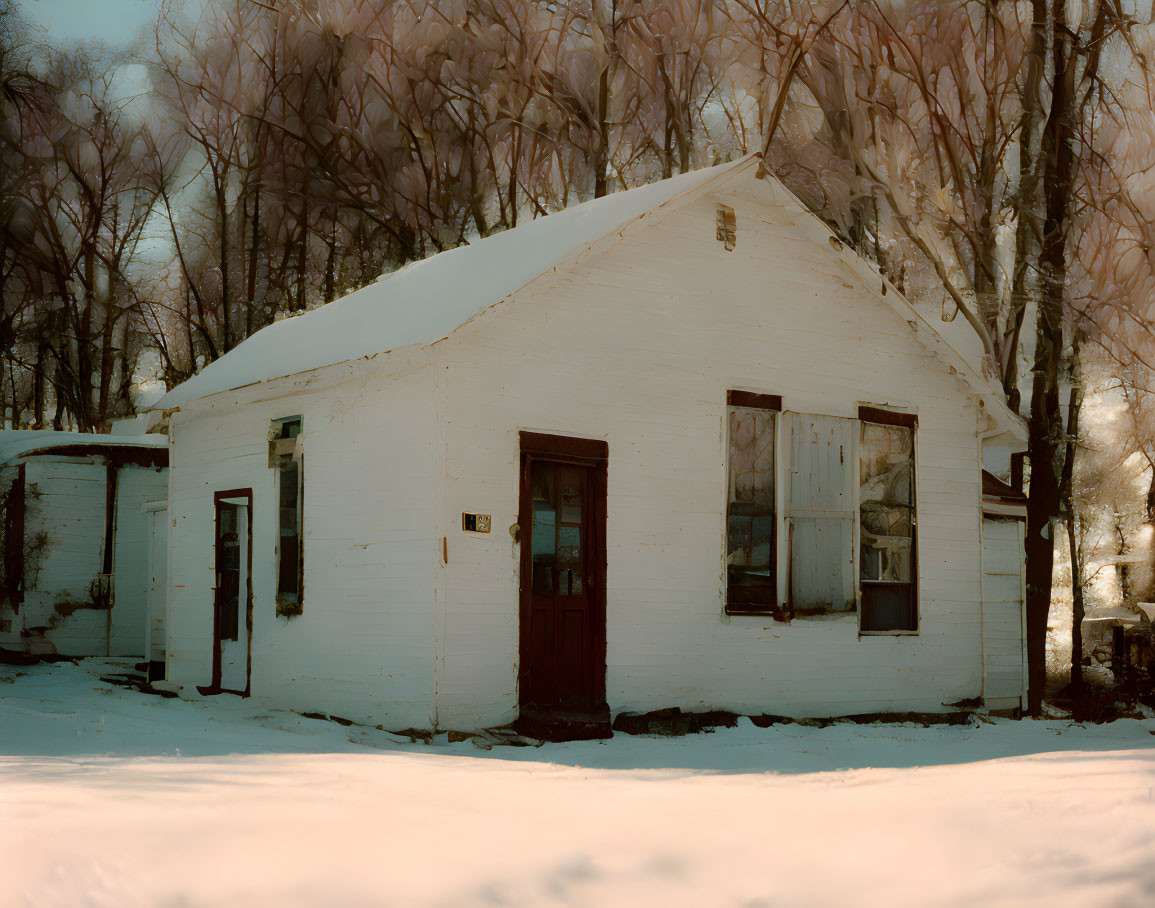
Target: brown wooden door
x=563 y=571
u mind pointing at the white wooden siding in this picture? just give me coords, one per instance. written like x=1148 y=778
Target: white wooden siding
x=1003 y=561
x=66 y=502
x=637 y=344
x=363 y=647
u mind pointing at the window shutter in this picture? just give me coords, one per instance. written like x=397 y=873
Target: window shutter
x=820 y=461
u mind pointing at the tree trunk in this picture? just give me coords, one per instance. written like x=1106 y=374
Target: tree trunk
x=1045 y=429
x=602 y=154
x=1025 y=202
x=1078 y=691
x=1074 y=408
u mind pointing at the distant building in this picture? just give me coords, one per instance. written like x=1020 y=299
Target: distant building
x=84 y=543
x=677 y=447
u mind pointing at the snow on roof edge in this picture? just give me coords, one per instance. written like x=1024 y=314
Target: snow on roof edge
x=17 y=443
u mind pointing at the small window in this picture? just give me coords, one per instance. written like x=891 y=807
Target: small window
x=285 y=458
x=887 y=521
x=751 y=509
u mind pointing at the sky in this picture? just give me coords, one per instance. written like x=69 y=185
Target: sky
x=112 y=21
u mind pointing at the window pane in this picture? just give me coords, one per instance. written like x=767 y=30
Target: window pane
x=570 y=482
x=886 y=457
x=750 y=520
x=886 y=515
x=888 y=607
x=886 y=558
x=287 y=575
x=543 y=539
x=288 y=532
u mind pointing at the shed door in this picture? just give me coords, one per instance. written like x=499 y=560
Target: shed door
x=563 y=618
x=1003 y=587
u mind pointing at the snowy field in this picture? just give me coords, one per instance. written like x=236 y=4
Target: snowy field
x=110 y=797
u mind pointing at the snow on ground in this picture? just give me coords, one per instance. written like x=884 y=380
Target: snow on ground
x=109 y=797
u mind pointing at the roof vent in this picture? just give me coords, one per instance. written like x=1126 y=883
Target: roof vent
x=727 y=226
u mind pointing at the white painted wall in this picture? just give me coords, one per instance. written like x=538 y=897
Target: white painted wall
x=637 y=345
x=66 y=501
x=363 y=647
x=1003 y=566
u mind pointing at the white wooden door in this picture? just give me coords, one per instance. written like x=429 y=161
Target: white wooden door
x=1003 y=579
x=155 y=634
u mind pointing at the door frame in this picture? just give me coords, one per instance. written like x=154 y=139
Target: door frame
x=585 y=452
x=218 y=499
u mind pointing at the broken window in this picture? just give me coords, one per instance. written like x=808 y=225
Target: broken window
x=285 y=458
x=887 y=569
x=751 y=511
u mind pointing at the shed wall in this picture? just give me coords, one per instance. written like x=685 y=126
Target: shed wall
x=64 y=538
x=64 y=545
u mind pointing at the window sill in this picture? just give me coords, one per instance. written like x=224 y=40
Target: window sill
x=775 y=612
x=888 y=633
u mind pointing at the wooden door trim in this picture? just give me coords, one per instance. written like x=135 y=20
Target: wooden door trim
x=560 y=447
x=218 y=499
x=595 y=455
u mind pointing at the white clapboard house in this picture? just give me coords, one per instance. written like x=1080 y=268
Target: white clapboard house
x=677 y=447
x=84 y=543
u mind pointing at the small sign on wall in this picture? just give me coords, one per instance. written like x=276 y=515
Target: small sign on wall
x=475 y=523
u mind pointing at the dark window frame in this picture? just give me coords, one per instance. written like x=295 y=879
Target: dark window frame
x=882 y=417
x=753 y=600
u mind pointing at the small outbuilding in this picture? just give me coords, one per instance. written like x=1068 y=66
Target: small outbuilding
x=677 y=447
x=84 y=543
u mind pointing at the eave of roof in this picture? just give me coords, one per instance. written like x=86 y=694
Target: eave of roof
x=17 y=444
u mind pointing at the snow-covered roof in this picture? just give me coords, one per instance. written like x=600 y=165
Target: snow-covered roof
x=1112 y=613
x=426 y=300
x=15 y=444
